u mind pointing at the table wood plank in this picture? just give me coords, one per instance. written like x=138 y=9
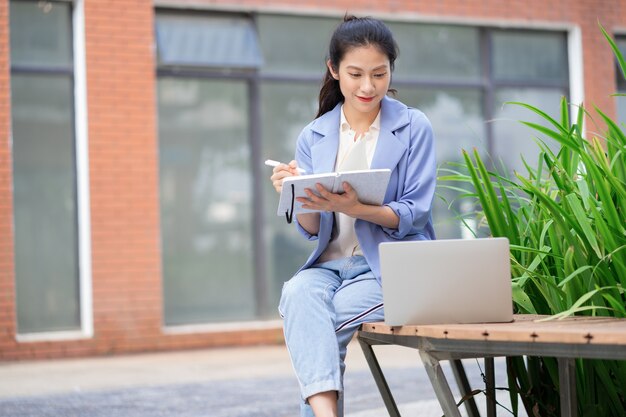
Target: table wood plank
x=524 y=328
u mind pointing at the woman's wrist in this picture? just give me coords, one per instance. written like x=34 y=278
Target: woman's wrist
x=380 y=215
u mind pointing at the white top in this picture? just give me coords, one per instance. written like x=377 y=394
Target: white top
x=347 y=142
x=352 y=155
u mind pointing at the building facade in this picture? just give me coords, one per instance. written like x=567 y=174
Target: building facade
x=135 y=210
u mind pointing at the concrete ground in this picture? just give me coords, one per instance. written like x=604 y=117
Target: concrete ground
x=229 y=382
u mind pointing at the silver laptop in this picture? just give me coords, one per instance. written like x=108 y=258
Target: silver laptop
x=446 y=281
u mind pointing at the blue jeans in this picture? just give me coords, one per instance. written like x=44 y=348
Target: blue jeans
x=322 y=308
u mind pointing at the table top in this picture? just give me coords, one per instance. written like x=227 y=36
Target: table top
x=524 y=328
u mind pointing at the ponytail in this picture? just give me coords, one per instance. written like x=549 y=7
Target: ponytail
x=330 y=94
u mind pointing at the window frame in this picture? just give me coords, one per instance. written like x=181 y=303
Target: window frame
x=77 y=75
x=620 y=80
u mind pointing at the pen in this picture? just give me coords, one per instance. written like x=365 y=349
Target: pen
x=272 y=163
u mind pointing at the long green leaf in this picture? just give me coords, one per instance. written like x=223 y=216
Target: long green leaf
x=552 y=134
x=574 y=274
x=560 y=216
x=602 y=188
x=522 y=299
x=578 y=305
x=513 y=237
x=564 y=113
x=584 y=223
x=616 y=51
x=572 y=311
x=614 y=129
x=486 y=194
x=541 y=113
x=609 y=391
x=617 y=305
x=491 y=193
x=532 y=267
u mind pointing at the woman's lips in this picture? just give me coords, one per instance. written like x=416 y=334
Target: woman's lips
x=365 y=99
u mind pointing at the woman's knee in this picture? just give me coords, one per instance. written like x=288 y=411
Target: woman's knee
x=301 y=290
x=294 y=289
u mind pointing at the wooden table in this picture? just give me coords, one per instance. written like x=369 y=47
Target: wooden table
x=527 y=335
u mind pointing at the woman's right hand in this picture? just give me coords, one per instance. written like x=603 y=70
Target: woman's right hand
x=281 y=172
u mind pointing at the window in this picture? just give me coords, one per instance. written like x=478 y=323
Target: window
x=529 y=67
x=44 y=167
x=206 y=181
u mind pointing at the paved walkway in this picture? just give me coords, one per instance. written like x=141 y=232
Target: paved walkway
x=233 y=382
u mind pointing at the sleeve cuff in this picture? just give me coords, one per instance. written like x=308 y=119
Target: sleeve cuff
x=404 y=221
x=304 y=233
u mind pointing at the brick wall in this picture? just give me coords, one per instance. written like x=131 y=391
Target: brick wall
x=122 y=129
x=123 y=174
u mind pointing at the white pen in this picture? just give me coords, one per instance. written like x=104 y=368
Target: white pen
x=272 y=163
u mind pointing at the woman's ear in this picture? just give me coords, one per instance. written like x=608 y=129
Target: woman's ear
x=334 y=73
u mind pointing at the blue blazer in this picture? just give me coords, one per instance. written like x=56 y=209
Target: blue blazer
x=406 y=146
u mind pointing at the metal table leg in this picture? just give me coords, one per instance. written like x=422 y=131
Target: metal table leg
x=490 y=387
x=464 y=387
x=567 y=386
x=440 y=384
x=379 y=378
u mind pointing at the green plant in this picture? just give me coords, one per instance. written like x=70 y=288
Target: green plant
x=566 y=223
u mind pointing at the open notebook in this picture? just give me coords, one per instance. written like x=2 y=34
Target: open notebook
x=370 y=185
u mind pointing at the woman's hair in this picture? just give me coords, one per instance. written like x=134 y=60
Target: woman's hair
x=351 y=33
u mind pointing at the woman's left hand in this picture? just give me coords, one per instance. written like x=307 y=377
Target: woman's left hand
x=327 y=201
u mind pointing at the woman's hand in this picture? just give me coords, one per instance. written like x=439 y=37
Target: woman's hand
x=348 y=203
x=327 y=201
x=281 y=172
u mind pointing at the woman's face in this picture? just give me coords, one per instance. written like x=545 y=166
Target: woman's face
x=364 y=76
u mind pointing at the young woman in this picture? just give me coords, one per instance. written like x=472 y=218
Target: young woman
x=357 y=127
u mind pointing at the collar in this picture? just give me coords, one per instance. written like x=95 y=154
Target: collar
x=345 y=126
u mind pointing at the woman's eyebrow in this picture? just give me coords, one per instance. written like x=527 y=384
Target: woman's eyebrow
x=378 y=68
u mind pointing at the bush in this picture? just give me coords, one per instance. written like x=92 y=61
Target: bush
x=566 y=222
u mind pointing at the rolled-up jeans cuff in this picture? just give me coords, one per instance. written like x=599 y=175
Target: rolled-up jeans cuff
x=321 y=386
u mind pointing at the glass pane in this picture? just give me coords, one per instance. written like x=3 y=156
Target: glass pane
x=437 y=51
x=621 y=44
x=44 y=181
x=513 y=140
x=206 y=206
x=285 y=109
x=41 y=34
x=530 y=56
x=457 y=119
x=621 y=110
x=295 y=45
x=621 y=80
x=207 y=41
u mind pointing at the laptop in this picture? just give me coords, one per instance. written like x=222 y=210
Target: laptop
x=446 y=281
